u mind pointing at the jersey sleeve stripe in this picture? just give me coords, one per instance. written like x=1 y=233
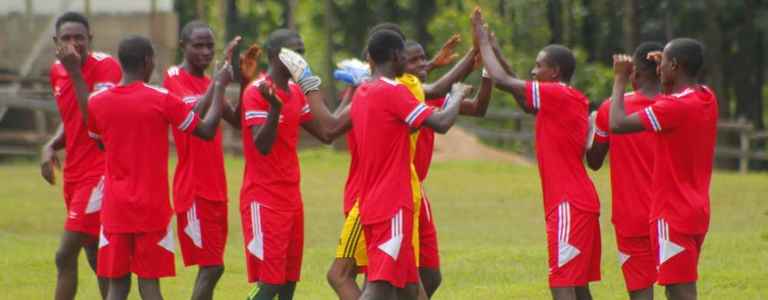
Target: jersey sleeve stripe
x=415 y=113
x=652 y=117
x=305 y=110
x=536 y=95
x=93 y=135
x=102 y=86
x=600 y=132
x=187 y=121
x=253 y=114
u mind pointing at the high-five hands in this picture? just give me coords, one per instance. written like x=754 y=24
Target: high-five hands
x=299 y=69
x=447 y=54
x=224 y=73
x=622 y=65
x=249 y=63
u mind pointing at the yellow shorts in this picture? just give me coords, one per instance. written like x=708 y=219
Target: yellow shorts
x=352 y=239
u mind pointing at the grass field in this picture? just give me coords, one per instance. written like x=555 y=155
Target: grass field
x=490 y=222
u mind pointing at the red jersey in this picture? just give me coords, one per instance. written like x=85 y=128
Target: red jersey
x=631 y=157
x=685 y=124
x=273 y=179
x=425 y=145
x=383 y=113
x=200 y=170
x=84 y=159
x=351 y=188
x=561 y=133
x=132 y=122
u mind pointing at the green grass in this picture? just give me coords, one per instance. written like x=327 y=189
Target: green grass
x=490 y=222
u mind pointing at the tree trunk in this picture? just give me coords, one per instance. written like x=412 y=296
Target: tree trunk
x=589 y=30
x=289 y=11
x=555 y=20
x=330 y=93
x=424 y=10
x=631 y=25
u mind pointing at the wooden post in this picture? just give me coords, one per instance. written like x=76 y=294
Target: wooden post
x=744 y=155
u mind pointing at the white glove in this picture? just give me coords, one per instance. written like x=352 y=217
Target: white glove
x=592 y=125
x=299 y=69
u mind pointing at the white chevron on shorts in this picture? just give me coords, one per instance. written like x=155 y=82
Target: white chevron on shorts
x=565 y=251
x=256 y=245
x=167 y=242
x=193 y=227
x=94 y=202
x=667 y=249
x=393 y=245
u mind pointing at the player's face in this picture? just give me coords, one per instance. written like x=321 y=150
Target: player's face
x=667 y=69
x=633 y=75
x=416 y=62
x=399 y=62
x=543 y=70
x=75 y=34
x=149 y=67
x=198 y=50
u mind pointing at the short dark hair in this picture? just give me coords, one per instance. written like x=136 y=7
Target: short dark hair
x=561 y=57
x=689 y=53
x=383 y=44
x=133 y=52
x=277 y=40
x=190 y=27
x=386 y=26
x=640 y=56
x=74 y=17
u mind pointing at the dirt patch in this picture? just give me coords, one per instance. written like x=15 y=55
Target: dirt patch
x=458 y=144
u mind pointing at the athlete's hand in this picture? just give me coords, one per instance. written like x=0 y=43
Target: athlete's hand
x=478 y=30
x=654 y=56
x=249 y=63
x=352 y=71
x=459 y=91
x=268 y=92
x=622 y=65
x=447 y=54
x=592 y=128
x=224 y=74
x=48 y=162
x=299 y=69
x=68 y=57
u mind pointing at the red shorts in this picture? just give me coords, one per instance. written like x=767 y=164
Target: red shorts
x=83 y=202
x=390 y=250
x=573 y=240
x=149 y=255
x=274 y=243
x=677 y=254
x=637 y=262
x=202 y=233
x=429 y=256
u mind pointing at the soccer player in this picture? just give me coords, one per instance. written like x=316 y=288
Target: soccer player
x=416 y=64
x=571 y=204
x=199 y=184
x=84 y=164
x=384 y=113
x=632 y=159
x=270 y=199
x=130 y=122
x=684 y=122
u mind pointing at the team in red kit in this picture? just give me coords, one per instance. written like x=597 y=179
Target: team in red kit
x=659 y=139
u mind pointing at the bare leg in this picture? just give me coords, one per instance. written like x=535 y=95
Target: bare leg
x=682 y=291
x=563 y=293
x=379 y=290
x=286 y=292
x=582 y=292
x=91 y=252
x=149 y=289
x=411 y=291
x=205 y=283
x=341 y=277
x=66 y=264
x=644 y=294
x=119 y=288
x=431 y=279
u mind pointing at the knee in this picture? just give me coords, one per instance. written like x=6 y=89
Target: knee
x=431 y=280
x=65 y=259
x=212 y=272
x=337 y=276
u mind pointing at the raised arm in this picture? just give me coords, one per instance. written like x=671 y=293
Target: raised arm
x=478 y=106
x=459 y=71
x=442 y=120
x=619 y=121
x=264 y=135
x=249 y=66
x=597 y=141
x=503 y=80
x=327 y=126
x=446 y=55
x=72 y=61
x=207 y=127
